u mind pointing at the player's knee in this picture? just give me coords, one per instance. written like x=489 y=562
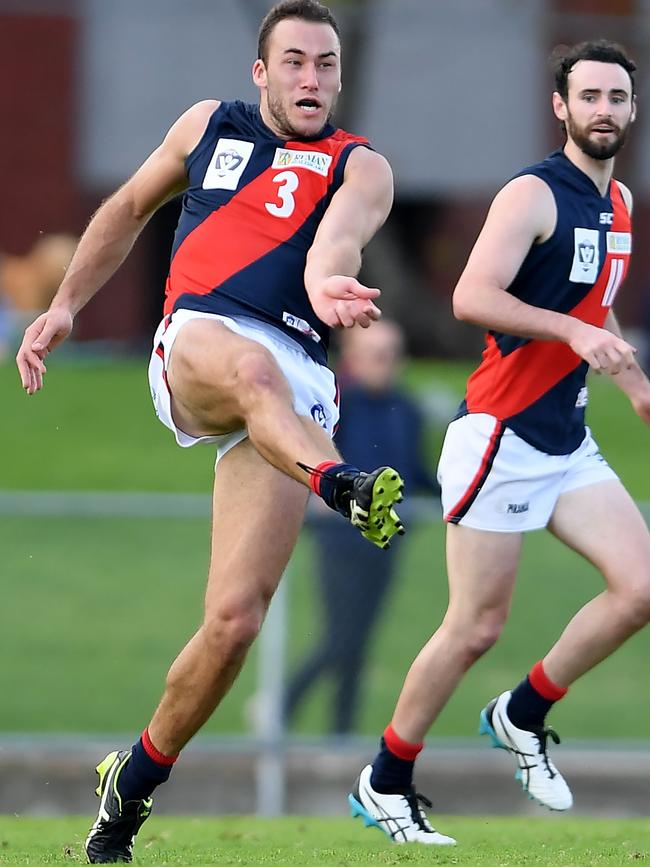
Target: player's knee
x=257 y=373
x=231 y=631
x=637 y=605
x=482 y=636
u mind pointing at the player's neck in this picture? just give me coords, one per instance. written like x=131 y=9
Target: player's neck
x=599 y=171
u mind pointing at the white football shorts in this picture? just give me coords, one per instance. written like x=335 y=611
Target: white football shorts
x=491 y=479
x=314 y=385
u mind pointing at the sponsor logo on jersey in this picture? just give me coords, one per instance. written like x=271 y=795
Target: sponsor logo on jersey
x=319 y=414
x=300 y=325
x=584 y=268
x=227 y=165
x=583 y=397
x=619 y=242
x=606 y=218
x=314 y=161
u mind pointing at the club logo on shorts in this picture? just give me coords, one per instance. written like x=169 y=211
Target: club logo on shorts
x=227 y=165
x=583 y=397
x=300 y=325
x=584 y=268
x=320 y=415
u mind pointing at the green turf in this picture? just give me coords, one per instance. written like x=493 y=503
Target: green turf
x=69 y=583
x=93 y=428
x=484 y=842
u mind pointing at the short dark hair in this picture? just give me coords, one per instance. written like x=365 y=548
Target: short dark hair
x=307 y=10
x=565 y=57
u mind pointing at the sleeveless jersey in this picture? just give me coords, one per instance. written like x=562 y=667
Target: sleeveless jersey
x=250 y=214
x=537 y=387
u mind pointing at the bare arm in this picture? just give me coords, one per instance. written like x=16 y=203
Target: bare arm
x=109 y=237
x=357 y=210
x=522 y=214
x=631 y=380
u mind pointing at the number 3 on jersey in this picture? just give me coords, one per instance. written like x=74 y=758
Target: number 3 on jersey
x=287 y=184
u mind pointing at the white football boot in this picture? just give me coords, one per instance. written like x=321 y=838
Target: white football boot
x=538 y=775
x=401 y=817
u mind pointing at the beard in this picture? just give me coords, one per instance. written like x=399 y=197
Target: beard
x=282 y=122
x=596 y=150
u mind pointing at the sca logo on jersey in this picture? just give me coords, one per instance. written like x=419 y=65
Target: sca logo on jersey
x=229 y=159
x=584 y=268
x=606 y=218
x=319 y=414
x=314 y=161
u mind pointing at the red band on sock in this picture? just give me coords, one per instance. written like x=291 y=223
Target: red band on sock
x=314 y=478
x=154 y=754
x=545 y=687
x=399 y=747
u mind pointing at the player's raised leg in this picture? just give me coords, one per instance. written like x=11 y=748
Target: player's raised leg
x=222 y=381
x=257 y=515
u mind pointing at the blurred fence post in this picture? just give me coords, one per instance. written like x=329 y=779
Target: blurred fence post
x=269 y=723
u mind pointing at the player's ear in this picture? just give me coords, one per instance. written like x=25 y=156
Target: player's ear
x=259 y=73
x=559 y=107
x=633 y=115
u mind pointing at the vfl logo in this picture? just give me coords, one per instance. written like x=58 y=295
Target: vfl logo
x=319 y=414
x=227 y=161
x=586 y=253
x=586 y=257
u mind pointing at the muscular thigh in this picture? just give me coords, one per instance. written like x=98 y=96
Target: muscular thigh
x=257 y=515
x=482 y=569
x=202 y=373
x=603 y=523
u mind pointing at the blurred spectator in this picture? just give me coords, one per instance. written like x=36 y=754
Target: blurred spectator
x=380 y=425
x=28 y=283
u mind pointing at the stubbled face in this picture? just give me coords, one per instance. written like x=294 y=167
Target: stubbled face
x=300 y=82
x=599 y=107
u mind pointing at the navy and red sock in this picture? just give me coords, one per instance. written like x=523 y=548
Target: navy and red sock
x=532 y=699
x=392 y=768
x=325 y=480
x=146 y=769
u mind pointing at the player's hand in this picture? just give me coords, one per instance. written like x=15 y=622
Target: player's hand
x=41 y=337
x=603 y=351
x=343 y=302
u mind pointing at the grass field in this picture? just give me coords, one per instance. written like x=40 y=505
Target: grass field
x=68 y=582
x=483 y=842
x=93 y=428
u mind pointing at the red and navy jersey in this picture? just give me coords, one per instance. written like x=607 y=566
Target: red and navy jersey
x=536 y=387
x=250 y=214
